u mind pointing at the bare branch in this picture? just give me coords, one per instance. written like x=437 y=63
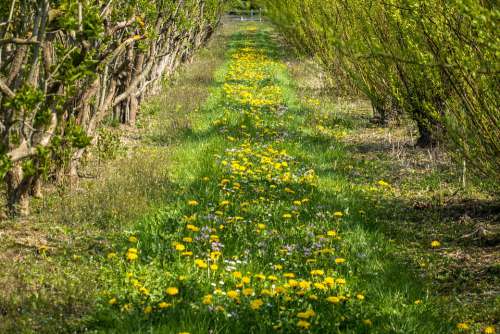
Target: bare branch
x=5 y=89
x=20 y=41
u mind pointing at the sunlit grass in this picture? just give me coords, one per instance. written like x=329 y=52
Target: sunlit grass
x=262 y=235
x=307 y=230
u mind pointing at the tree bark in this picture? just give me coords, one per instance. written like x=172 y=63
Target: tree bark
x=427 y=135
x=18 y=188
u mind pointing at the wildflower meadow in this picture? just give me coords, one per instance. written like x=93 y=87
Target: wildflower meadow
x=198 y=168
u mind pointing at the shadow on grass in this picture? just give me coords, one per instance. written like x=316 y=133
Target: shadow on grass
x=378 y=270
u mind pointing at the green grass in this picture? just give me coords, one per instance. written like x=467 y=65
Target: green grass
x=51 y=262
x=373 y=267
x=186 y=141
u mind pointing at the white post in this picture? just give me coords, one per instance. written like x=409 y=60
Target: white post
x=464 y=173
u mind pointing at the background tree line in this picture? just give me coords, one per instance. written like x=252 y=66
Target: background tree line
x=436 y=61
x=66 y=65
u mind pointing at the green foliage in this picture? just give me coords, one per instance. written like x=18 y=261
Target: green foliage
x=108 y=144
x=68 y=62
x=29 y=168
x=437 y=61
x=5 y=165
x=245 y=4
x=27 y=98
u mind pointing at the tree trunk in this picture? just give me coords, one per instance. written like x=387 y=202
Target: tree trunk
x=36 y=189
x=18 y=188
x=379 y=115
x=134 y=100
x=427 y=137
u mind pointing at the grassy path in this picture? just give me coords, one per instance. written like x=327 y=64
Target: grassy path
x=261 y=235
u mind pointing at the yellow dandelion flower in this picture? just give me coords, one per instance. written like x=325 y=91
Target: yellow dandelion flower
x=261 y=276
x=192 y=227
x=256 y=304
x=333 y=299
x=200 y=264
x=233 y=294
x=329 y=281
x=132 y=239
x=193 y=202
x=207 y=300
x=382 y=183
x=112 y=301
x=317 y=272
x=463 y=326
x=127 y=307
x=306 y=315
x=247 y=292
x=164 y=305
x=489 y=330
x=304 y=285
x=313 y=297
x=435 y=244
x=172 y=291
x=132 y=254
x=303 y=324
x=179 y=247
x=215 y=255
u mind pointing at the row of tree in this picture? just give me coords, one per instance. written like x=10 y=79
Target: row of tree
x=436 y=61
x=66 y=65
